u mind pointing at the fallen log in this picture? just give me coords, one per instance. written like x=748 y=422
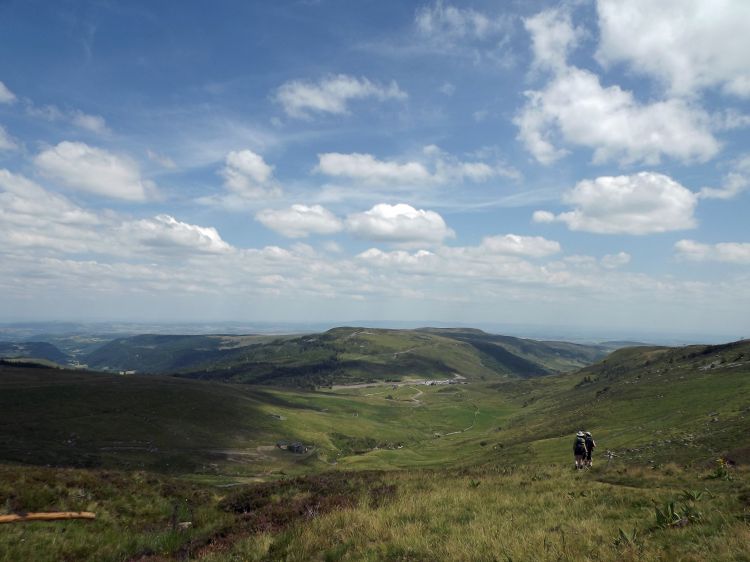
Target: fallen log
x=47 y=516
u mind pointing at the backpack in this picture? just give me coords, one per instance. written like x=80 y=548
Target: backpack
x=580 y=446
x=590 y=443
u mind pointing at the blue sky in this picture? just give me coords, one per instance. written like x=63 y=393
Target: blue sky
x=582 y=163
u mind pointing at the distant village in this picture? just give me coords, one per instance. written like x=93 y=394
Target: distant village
x=446 y=381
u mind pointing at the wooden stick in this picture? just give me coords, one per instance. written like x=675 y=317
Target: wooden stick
x=50 y=516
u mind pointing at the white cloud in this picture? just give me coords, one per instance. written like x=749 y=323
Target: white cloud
x=690 y=45
x=247 y=176
x=729 y=252
x=513 y=244
x=6 y=141
x=553 y=37
x=467 y=33
x=729 y=119
x=299 y=221
x=457 y=23
x=33 y=217
x=94 y=170
x=368 y=169
x=6 y=96
x=402 y=224
x=543 y=217
x=439 y=168
x=735 y=182
x=613 y=261
x=301 y=98
x=574 y=109
x=93 y=123
x=642 y=203
x=165 y=234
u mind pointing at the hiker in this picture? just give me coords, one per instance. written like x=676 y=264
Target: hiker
x=590 y=446
x=579 y=450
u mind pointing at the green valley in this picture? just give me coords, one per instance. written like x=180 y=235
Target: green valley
x=437 y=455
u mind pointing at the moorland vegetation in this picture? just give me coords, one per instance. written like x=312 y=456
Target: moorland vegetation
x=397 y=470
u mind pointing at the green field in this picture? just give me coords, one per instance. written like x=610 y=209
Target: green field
x=407 y=471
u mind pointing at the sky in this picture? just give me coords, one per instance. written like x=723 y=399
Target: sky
x=581 y=164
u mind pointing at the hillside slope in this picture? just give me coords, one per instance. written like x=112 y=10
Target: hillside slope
x=33 y=350
x=647 y=404
x=342 y=355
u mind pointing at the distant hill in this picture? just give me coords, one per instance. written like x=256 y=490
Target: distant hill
x=33 y=350
x=342 y=355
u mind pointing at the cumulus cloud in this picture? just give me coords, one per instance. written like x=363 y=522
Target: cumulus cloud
x=513 y=244
x=553 y=37
x=247 y=178
x=729 y=252
x=485 y=263
x=94 y=170
x=401 y=224
x=438 y=168
x=164 y=233
x=575 y=109
x=299 y=221
x=368 y=169
x=642 y=203
x=6 y=141
x=6 y=96
x=34 y=217
x=332 y=94
x=689 y=45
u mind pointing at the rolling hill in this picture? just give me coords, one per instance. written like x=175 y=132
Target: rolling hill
x=342 y=355
x=32 y=350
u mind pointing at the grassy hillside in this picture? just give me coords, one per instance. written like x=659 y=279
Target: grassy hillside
x=342 y=355
x=477 y=471
x=647 y=404
x=33 y=350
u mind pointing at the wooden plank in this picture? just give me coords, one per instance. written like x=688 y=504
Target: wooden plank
x=47 y=516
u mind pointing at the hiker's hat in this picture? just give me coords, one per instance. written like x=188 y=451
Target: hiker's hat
x=588 y=434
x=579 y=434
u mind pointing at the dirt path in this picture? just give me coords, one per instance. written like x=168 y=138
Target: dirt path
x=476 y=413
x=415 y=398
